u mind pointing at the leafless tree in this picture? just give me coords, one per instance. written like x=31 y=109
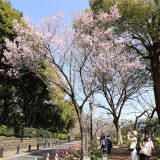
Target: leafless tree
x=118 y=89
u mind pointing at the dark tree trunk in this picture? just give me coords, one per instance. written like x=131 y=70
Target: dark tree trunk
x=5 y=119
x=79 y=111
x=81 y=124
x=118 y=131
x=155 y=67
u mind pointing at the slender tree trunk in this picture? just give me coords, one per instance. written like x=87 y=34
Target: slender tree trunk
x=82 y=136
x=81 y=125
x=79 y=111
x=5 y=119
x=118 y=132
x=155 y=67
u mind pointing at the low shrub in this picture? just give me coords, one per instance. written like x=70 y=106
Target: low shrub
x=156 y=142
x=93 y=157
x=94 y=146
x=6 y=131
x=29 y=132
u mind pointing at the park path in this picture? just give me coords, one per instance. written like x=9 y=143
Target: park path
x=119 y=154
x=40 y=154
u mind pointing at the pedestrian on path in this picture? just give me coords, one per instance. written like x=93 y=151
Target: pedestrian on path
x=132 y=137
x=151 y=146
x=109 y=143
x=144 y=153
x=104 y=145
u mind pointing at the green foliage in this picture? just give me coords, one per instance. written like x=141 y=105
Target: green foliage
x=65 y=112
x=96 y=156
x=134 y=15
x=36 y=105
x=68 y=115
x=125 y=142
x=125 y=126
x=77 y=136
x=96 y=5
x=6 y=131
x=7 y=15
x=151 y=127
x=28 y=99
x=141 y=19
x=61 y=136
x=156 y=142
x=93 y=157
x=94 y=146
x=7 y=89
x=30 y=132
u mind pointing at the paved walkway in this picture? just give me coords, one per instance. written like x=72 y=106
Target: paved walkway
x=14 y=152
x=116 y=154
x=40 y=154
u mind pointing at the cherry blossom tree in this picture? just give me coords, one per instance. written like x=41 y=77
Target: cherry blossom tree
x=118 y=72
x=53 y=41
x=78 y=57
x=102 y=125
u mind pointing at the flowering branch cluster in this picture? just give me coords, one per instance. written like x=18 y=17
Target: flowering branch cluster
x=95 y=35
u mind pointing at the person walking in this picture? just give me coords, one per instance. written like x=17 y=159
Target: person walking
x=132 y=137
x=144 y=153
x=109 y=144
x=104 y=148
x=151 y=146
x=104 y=145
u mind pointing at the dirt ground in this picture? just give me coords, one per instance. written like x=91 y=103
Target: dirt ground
x=123 y=154
x=119 y=154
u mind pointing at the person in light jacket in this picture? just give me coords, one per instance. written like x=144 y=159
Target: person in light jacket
x=132 y=137
x=145 y=151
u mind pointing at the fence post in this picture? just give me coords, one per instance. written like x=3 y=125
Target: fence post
x=29 y=148
x=37 y=146
x=1 y=152
x=18 y=149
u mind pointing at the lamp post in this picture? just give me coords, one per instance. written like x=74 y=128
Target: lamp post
x=91 y=125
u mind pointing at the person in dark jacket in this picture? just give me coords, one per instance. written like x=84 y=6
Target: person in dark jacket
x=104 y=145
x=109 y=144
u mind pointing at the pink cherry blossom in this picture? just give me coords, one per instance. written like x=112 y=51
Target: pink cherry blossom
x=94 y=33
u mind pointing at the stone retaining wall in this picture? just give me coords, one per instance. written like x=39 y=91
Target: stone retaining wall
x=11 y=143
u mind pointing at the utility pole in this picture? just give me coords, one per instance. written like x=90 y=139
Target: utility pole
x=91 y=117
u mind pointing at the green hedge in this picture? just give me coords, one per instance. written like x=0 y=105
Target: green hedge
x=156 y=142
x=33 y=132
x=6 y=131
x=30 y=132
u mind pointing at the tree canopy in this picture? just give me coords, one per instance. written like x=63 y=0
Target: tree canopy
x=25 y=97
x=140 y=18
x=7 y=15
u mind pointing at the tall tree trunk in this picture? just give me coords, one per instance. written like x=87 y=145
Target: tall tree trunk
x=79 y=111
x=118 y=132
x=5 y=112
x=81 y=125
x=155 y=67
x=82 y=137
